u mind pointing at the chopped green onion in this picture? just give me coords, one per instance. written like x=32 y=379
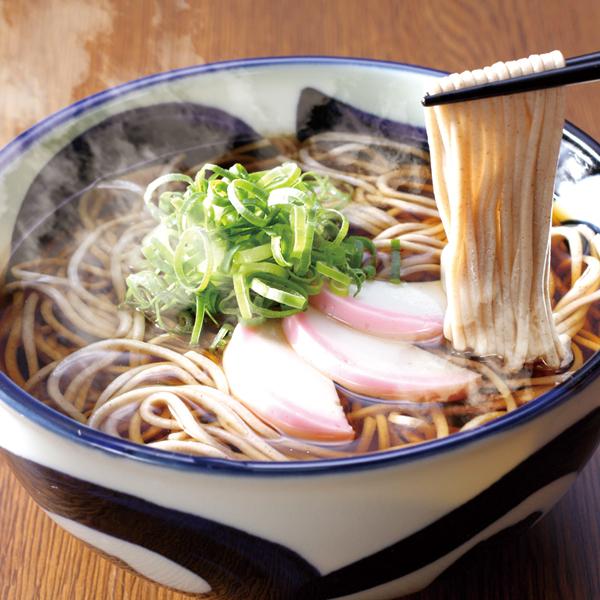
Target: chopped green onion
x=159 y=182
x=198 y=321
x=235 y=192
x=395 y=267
x=242 y=295
x=333 y=274
x=221 y=338
x=289 y=298
x=277 y=251
x=193 y=259
x=254 y=254
x=285 y=175
x=244 y=246
x=287 y=195
x=344 y=227
x=264 y=267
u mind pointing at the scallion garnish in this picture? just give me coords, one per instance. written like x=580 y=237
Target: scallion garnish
x=395 y=266
x=244 y=246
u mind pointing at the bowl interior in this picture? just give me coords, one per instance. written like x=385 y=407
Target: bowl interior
x=201 y=113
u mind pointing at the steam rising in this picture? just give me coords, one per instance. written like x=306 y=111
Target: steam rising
x=74 y=48
x=64 y=51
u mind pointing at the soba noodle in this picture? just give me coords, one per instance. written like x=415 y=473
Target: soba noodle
x=66 y=336
x=493 y=164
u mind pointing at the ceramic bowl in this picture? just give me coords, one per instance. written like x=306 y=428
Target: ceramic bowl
x=369 y=527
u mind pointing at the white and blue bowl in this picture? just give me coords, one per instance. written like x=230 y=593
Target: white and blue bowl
x=374 y=526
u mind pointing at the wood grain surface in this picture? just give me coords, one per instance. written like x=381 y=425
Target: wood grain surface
x=53 y=52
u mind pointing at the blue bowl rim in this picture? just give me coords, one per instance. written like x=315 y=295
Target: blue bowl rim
x=26 y=405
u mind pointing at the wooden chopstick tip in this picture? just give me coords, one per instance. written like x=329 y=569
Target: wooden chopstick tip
x=578 y=69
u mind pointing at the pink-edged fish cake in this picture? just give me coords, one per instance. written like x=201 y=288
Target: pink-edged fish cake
x=281 y=388
x=404 y=311
x=375 y=366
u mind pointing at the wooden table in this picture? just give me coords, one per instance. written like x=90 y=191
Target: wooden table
x=54 y=52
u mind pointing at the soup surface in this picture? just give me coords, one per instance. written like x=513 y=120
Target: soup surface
x=68 y=336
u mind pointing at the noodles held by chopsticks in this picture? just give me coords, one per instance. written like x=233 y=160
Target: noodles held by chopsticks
x=493 y=165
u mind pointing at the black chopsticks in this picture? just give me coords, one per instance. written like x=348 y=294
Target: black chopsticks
x=578 y=69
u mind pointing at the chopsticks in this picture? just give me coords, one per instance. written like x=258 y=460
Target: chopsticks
x=578 y=69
